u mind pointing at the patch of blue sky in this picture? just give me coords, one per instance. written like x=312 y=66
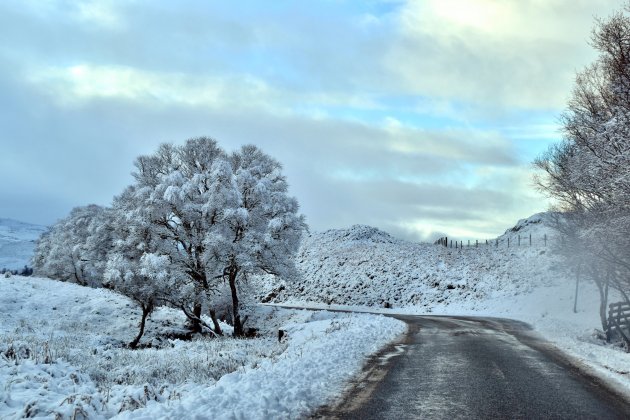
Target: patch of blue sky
x=379 y=116
x=457 y=176
x=272 y=66
x=409 y=111
x=532 y=134
x=528 y=150
x=380 y=7
x=357 y=175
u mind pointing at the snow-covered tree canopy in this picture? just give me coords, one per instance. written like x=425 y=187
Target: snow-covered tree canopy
x=75 y=248
x=214 y=217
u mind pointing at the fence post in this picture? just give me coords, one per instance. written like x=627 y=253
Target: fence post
x=530 y=239
x=476 y=243
x=519 y=240
x=545 y=239
x=508 y=242
x=469 y=243
x=497 y=245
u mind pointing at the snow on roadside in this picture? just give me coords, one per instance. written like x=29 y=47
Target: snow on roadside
x=61 y=354
x=325 y=350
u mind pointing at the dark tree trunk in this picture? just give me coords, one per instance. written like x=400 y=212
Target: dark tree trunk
x=238 y=326
x=577 y=285
x=200 y=287
x=217 y=327
x=146 y=310
x=195 y=324
x=77 y=278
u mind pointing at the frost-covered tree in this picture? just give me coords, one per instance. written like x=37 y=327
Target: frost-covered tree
x=75 y=248
x=132 y=271
x=260 y=235
x=213 y=217
x=172 y=189
x=149 y=279
x=589 y=172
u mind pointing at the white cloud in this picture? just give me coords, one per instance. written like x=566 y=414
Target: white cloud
x=380 y=118
x=493 y=53
x=99 y=12
x=83 y=82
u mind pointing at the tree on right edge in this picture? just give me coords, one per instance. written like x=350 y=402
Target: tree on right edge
x=588 y=174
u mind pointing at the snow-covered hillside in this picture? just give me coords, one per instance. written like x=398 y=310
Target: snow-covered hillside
x=365 y=266
x=17 y=241
x=538 y=226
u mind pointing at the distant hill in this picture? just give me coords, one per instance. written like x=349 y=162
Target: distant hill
x=539 y=226
x=17 y=242
x=365 y=266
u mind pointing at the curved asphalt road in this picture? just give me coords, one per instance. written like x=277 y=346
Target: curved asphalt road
x=475 y=368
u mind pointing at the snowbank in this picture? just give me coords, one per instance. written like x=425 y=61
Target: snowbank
x=325 y=350
x=62 y=354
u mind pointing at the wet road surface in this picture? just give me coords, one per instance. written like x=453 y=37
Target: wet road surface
x=475 y=368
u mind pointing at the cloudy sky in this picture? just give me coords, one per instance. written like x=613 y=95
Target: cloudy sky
x=418 y=117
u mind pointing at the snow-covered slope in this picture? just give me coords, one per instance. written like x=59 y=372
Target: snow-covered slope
x=365 y=266
x=538 y=226
x=17 y=241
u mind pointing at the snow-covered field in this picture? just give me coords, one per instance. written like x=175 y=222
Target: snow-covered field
x=17 y=241
x=62 y=346
x=61 y=354
x=365 y=269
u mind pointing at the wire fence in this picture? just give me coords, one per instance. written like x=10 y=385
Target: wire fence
x=507 y=241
